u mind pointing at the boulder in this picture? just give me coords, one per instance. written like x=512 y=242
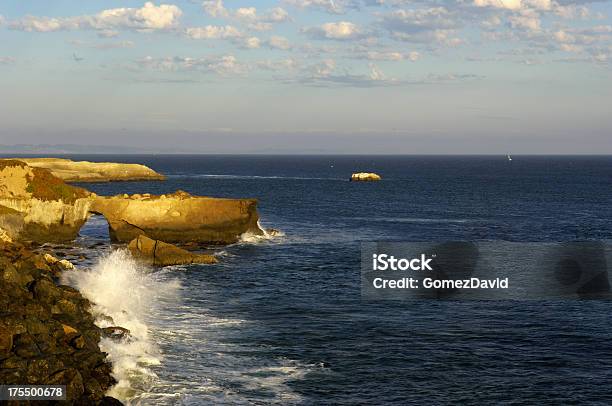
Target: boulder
x=365 y=177
x=178 y=218
x=65 y=265
x=159 y=253
x=84 y=171
x=69 y=330
x=115 y=333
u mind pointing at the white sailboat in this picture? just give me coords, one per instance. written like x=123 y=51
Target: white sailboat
x=509 y=157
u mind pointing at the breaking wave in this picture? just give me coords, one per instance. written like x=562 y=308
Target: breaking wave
x=267 y=235
x=128 y=295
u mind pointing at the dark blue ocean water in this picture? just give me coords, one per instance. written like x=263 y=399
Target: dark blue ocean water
x=282 y=320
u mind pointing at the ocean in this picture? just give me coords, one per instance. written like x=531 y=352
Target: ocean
x=281 y=320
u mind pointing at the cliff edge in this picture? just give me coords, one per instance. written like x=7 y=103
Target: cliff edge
x=84 y=171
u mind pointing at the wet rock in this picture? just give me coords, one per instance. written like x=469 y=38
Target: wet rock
x=159 y=253
x=108 y=401
x=78 y=342
x=51 y=260
x=47 y=335
x=115 y=333
x=72 y=379
x=65 y=264
x=6 y=340
x=273 y=232
x=45 y=289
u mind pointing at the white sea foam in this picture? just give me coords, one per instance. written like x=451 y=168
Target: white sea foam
x=267 y=235
x=129 y=294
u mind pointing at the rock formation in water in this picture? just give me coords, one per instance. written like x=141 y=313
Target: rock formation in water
x=84 y=171
x=47 y=334
x=365 y=177
x=37 y=206
x=178 y=218
x=159 y=253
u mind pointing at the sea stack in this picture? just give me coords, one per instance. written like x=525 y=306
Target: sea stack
x=365 y=177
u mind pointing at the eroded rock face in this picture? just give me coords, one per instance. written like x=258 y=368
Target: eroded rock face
x=47 y=335
x=365 y=177
x=178 y=218
x=84 y=171
x=37 y=206
x=159 y=253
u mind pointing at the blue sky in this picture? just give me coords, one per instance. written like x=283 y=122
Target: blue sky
x=355 y=76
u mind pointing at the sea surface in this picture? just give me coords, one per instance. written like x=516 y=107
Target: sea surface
x=280 y=320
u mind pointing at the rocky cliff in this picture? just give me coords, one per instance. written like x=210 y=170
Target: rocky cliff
x=84 y=171
x=178 y=218
x=47 y=334
x=37 y=206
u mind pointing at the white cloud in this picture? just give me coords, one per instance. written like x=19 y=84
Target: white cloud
x=525 y=19
x=277 y=42
x=334 y=6
x=247 y=15
x=515 y=4
x=392 y=56
x=436 y=24
x=148 y=18
x=213 y=32
x=323 y=69
x=103 y=45
x=277 y=15
x=506 y=4
x=571 y=11
x=215 y=8
x=251 y=43
x=278 y=65
x=591 y=41
x=223 y=65
x=376 y=73
x=342 y=30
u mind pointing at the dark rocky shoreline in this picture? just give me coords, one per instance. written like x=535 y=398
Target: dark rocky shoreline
x=47 y=333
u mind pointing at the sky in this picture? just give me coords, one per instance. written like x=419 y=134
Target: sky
x=309 y=76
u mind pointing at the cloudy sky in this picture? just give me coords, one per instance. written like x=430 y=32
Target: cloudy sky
x=315 y=76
